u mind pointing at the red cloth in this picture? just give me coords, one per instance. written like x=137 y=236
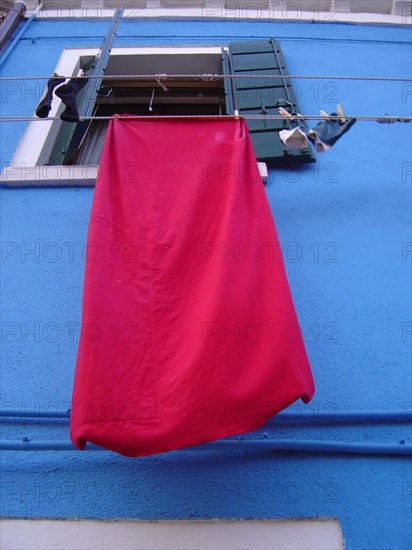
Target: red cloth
x=189 y=332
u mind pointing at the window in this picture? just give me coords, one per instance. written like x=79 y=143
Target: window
x=42 y=140
x=145 y=97
x=56 y=150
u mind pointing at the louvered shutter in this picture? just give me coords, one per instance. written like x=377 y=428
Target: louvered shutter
x=261 y=96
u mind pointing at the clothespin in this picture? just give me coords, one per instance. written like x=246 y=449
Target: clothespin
x=207 y=77
x=341 y=113
x=283 y=112
x=159 y=78
x=385 y=120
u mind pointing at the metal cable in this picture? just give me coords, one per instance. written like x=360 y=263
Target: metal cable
x=383 y=120
x=215 y=77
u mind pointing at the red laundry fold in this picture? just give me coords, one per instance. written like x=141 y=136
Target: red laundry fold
x=189 y=332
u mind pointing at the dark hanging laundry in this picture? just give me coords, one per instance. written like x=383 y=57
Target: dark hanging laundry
x=44 y=106
x=323 y=136
x=327 y=132
x=66 y=92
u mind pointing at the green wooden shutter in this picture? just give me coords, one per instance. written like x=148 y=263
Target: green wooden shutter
x=261 y=96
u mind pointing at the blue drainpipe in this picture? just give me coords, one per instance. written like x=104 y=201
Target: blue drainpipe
x=21 y=32
x=241 y=444
x=313 y=417
x=302 y=445
x=10 y=23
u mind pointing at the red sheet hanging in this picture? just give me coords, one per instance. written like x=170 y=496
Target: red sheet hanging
x=189 y=332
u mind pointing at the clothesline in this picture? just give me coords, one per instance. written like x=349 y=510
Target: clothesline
x=213 y=76
x=382 y=120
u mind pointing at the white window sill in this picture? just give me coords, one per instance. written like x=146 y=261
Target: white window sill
x=287 y=534
x=62 y=176
x=48 y=176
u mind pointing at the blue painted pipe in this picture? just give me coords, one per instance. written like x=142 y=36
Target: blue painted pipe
x=21 y=32
x=10 y=22
x=304 y=416
x=27 y=413
x=303 y=445
x=308 y=445
x=343 y=416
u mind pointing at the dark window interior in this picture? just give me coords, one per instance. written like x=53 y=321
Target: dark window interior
x=184 y=97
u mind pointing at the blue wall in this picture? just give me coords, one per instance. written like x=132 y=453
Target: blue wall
x=342 y=223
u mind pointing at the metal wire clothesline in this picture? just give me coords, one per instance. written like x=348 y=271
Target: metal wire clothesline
x=159 y=77
x=214 y=76
x=384 y=119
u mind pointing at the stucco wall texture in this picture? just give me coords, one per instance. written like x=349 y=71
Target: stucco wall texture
x=344 y=228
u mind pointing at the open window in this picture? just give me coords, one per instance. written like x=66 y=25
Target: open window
x=193 y=95
x=254 y=85
x=155 y=95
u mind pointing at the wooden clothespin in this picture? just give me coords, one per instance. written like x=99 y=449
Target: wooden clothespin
x=283 y=112
x=159 y=78
x=341 y=113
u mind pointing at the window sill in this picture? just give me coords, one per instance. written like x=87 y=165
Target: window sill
x=48 y=176
x=62 y=176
